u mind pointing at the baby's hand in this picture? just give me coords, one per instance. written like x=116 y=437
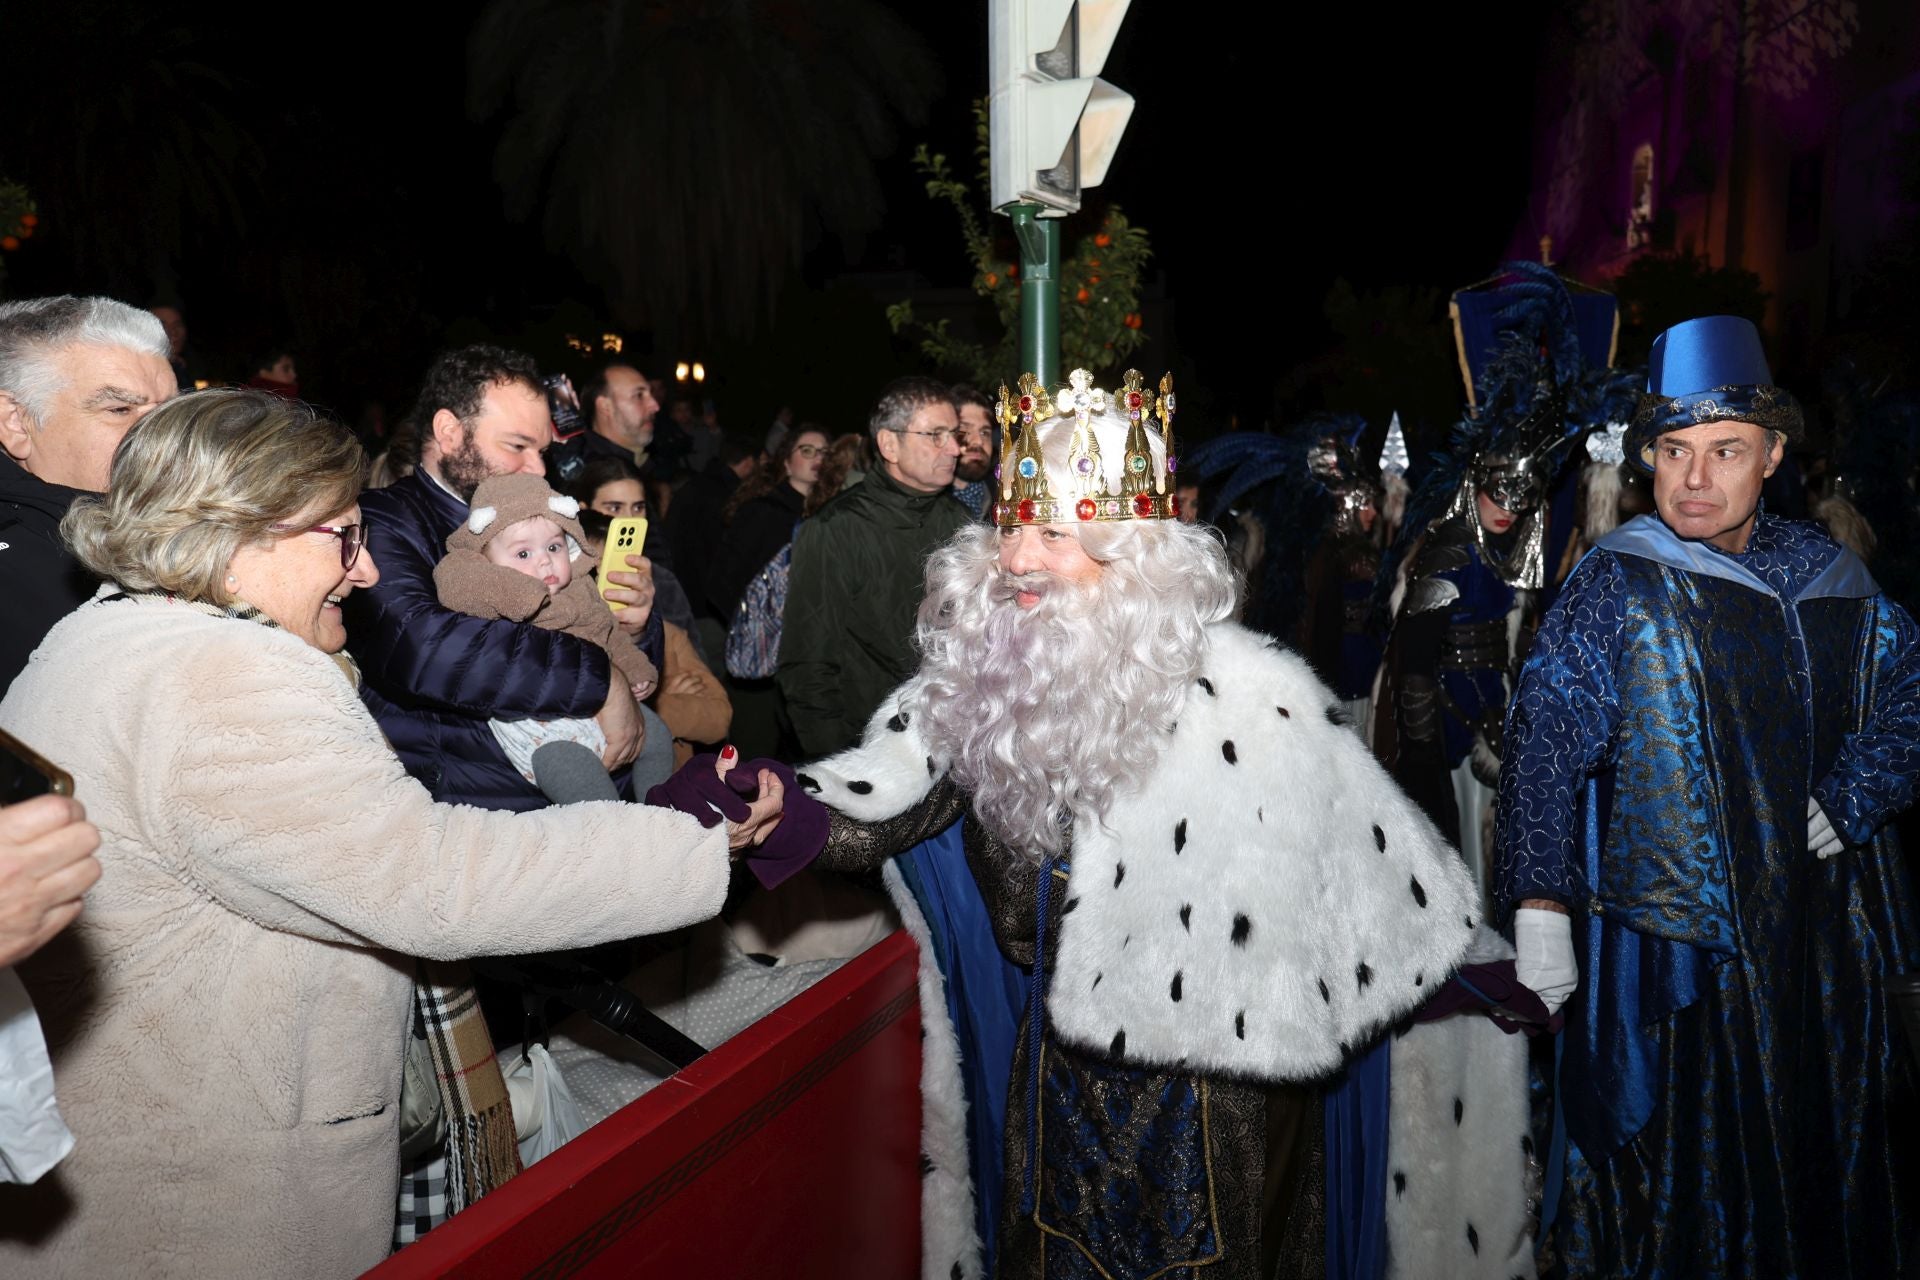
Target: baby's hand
x=642 y=690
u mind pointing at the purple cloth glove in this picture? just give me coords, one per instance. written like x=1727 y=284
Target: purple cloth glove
x=697 y=791
x=1512 y=1006
x=802 y=832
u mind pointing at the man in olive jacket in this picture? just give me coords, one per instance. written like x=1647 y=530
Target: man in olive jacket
x=858 y=570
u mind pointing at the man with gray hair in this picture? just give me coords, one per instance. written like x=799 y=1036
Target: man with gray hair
x=75 y=373
x=847 y=636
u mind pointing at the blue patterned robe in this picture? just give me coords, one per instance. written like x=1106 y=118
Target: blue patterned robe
x=1735 y=1093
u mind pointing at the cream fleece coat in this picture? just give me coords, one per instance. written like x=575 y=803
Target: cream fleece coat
x=228 y=1016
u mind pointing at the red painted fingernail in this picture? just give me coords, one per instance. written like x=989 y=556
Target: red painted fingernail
x=728 y=753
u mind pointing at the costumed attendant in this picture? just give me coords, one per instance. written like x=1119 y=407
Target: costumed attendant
x=1220 y=893
x=1718 y=721
x=1469 y=581
x=1475 y=572
x=1318 y=505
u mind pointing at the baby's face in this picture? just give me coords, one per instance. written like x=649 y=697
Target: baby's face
x=535 y=547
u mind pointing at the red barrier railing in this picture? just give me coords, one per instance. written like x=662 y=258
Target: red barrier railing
x=792 y=1150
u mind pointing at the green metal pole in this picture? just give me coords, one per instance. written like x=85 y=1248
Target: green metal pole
x=1039 y=292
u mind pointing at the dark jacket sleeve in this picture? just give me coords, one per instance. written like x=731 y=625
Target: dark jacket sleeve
x=414 y=649
x=758 y=531
x=809 y=675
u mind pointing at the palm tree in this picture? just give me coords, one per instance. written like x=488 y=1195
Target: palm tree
x=127 y=134
x=684 y=152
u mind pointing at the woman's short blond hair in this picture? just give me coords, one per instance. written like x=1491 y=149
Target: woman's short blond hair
x=204 y=475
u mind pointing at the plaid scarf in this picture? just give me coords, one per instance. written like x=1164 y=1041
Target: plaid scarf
x=482 y=1149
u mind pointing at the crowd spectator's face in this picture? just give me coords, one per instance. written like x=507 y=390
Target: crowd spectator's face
x=535 y=547
x=1042 y=556
x=1706 y=479
x=629 y=407
x=282 y=371
x=1188 y=496
x=804 y=460
x=976 y=445
x=175 y=324
x=297 y=580
x=683 y=413
x=103 y=391
x=507 y=436
x=618 y=498
x=922 y=457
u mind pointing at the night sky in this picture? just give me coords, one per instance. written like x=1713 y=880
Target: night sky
x=1267 y=155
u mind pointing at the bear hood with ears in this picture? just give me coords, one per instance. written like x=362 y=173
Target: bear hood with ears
x=470 y=583
x=504 y=501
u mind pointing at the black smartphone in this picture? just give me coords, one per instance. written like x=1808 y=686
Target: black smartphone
x=25 y=773
x=563 y=406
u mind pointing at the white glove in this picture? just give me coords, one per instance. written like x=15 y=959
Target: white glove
x=1821 y=837
x=1544 y=942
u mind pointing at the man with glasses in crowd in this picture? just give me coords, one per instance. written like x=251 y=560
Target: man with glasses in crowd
x=858 y=568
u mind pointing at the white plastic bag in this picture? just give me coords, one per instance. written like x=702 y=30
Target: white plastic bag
x=545 y=1116
x=33 y=1138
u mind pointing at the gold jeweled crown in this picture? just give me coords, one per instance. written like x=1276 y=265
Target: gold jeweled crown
x=1028 y=496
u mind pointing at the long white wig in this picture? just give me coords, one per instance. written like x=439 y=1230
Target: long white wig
x=1048 y=713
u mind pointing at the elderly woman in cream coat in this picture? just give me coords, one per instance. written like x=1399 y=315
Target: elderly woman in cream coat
x=228 y=1019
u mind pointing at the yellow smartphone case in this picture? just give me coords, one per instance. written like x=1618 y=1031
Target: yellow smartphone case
x=625 y=536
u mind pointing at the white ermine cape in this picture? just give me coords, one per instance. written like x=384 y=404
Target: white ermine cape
x=1266 y=903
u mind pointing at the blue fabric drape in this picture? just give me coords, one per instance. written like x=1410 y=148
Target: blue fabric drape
x=1356 y=1164
x=985 y=996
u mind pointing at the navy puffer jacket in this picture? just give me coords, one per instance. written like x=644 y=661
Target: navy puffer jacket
x=433 y=677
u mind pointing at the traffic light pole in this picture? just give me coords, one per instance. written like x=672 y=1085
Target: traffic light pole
x=1039 y=292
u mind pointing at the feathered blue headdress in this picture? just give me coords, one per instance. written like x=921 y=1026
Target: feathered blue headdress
x=1296 y=485
x=1537 y=392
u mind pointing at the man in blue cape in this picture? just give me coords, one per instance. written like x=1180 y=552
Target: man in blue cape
x=1718 y=721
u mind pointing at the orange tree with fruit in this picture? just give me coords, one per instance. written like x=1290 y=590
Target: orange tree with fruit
x=18 y=220
x=1100 y=264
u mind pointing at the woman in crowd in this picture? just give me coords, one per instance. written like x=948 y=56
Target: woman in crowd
x=611 y=487
x=608 y=488
x=763 y=513
x=691 y=700
x=229 y=1018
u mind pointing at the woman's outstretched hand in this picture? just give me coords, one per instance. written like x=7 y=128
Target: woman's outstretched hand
x=764 y=810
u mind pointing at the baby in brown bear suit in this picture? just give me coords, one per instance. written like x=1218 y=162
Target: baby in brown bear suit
x=515 y=558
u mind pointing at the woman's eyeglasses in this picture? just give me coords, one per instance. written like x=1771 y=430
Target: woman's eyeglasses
x=809 y=450
x=352 y=537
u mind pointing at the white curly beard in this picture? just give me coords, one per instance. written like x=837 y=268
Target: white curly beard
x=1047 y=712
